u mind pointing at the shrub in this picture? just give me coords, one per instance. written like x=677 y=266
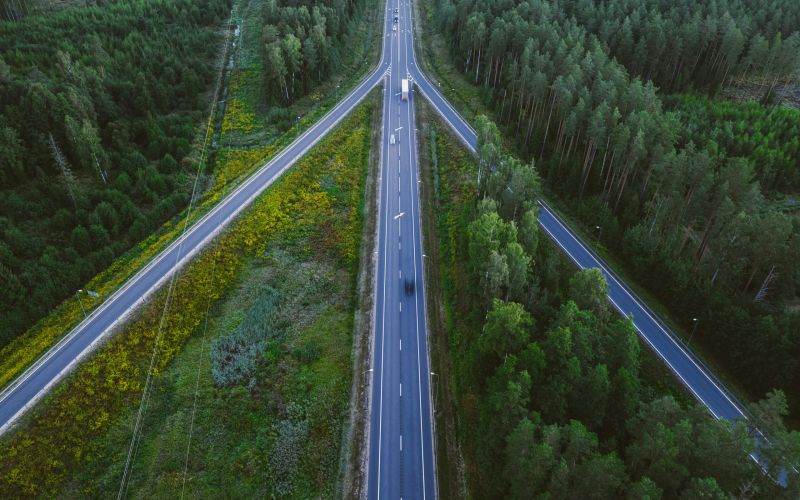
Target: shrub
x=234 y=357
x=286 y=454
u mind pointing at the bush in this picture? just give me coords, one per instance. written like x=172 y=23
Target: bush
x=40 y=455
x=234 y=357
x=286 y=454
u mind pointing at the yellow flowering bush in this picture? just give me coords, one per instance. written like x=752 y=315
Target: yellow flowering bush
x=35 y=460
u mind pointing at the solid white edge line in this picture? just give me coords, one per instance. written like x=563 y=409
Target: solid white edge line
x=181 y=261
x=657 y=323
x=415 y=228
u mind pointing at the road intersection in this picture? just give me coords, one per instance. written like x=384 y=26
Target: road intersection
x=401 y=445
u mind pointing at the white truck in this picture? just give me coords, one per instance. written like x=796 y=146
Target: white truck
x=404 y=90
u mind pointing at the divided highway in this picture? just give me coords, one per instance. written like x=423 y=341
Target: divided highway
x=401 y=444
x=401 y=458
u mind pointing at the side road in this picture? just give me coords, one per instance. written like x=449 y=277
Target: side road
x=43 y=375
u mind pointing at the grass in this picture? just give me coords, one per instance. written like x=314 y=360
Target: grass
x=83 y=428
x=233 y=167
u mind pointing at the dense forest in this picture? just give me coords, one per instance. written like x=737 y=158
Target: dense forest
x=96 y=119
x=301 y=43
x=556 y=401
x=683 y=43
x=100 y=106
x=710 y=227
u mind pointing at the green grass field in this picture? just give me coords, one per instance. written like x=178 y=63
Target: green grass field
x=276 y=432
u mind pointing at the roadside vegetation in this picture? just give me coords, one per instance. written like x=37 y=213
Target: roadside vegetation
x=708 y=228
x=96 y=121
x=551 y=392
x=249 y=132
x=273 y=358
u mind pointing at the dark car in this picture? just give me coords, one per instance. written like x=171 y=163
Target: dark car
x=409 y=287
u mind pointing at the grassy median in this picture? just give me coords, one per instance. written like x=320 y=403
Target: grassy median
x=292 y=256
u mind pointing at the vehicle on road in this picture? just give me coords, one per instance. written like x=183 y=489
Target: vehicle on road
x=409 y=287
x=391 y=139
x=404 y=90
x=394 y=28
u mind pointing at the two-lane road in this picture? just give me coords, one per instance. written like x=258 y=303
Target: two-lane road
x=34 y=383
x=401 y=453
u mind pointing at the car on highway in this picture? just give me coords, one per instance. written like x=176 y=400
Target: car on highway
x=394 y=28
x=391 y=139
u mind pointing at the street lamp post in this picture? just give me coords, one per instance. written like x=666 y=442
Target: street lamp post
x=81 y=303
x=694 y=328
x=599 y=232
x=435 y=387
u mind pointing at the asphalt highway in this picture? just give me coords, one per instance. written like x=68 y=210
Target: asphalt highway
x=401 y=453
x=33 y=384
x=401 y=463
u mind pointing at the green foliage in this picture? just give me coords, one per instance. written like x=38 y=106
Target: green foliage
x=557 y=407
x=699 y=202
x=682 y=44
x=589 y=290
x=507 y=328
x=286 y=454
x=63 y=432
x=234 y=357
x=93 y=109
x=768 y=137
x=303 y=43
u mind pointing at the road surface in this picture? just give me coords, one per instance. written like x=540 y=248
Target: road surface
x=401 y=454
x=401 y=458
x=33 y=384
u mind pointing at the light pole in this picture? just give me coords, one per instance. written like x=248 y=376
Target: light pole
x=694 y=328
x=599 y=232
x=435 y=387
x=81 y=303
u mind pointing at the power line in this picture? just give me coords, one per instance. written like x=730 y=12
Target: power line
x=137 y=429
